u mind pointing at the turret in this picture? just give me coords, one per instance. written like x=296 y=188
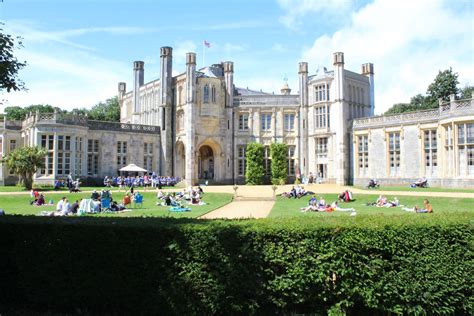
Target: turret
x=303 y=119
x=229 y=83
x=368 y=71
x=165 y=110
x=138 y=80
x=189 y=119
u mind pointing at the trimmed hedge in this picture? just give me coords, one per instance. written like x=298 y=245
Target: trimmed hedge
x=175 y=267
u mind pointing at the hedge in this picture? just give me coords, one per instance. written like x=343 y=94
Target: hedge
x=190 y=267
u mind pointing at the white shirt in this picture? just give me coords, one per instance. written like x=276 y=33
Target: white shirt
x=66 y=208
x=59 y=207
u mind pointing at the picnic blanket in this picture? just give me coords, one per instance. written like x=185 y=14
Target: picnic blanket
x=179 y=209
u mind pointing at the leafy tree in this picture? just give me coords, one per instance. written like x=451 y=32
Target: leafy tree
x=466 y=92
x=254 y=158
x=9 y=64
x=106 y=111
x=24 y=162
x=19 y=113
x=15 y=113
x=278 y=153
x=445 y=84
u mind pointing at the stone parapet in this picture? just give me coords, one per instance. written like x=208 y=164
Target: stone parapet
x=451 y=109
x=266 y=100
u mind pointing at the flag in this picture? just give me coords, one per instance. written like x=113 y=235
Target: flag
x=207 y=44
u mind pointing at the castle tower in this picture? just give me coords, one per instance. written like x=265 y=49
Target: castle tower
x=165 y=111
x=303 y=119
x=368 y=71
x=122 y=89
x=229 y=111
x=339 y=118
x=189 y=116
x=138 y=80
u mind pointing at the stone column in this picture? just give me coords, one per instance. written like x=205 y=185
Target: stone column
x=303 y=119
x=368 y=71
x=339 y=118
x=191 y=176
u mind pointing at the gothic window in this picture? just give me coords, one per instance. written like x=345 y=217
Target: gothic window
x=213 y=94
x=431 y=150
x=93 y=157
x=180 y=95
x=64 y=155
x=321 y=147
x=243 y=122
x=321 y=118
x=79 y=155
x=121 y=154
x=363 y=154
x=180 y=122
x=266 y=121
x=289 y=121
x=466 y=149
x=148 y=156
x=321 y=93
x=47 y=142
x=241 y=159
x=394 y=153
x=291 y=160
x=206 y=94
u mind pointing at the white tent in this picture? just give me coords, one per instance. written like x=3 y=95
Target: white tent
x=133 y=168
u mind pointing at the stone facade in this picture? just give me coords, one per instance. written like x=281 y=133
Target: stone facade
x=196 y=125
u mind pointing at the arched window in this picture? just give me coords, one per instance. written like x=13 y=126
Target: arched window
x=206 y=94
x=213 y=94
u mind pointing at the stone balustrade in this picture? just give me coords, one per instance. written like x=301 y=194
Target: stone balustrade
x=445 y=110
x=266 y=100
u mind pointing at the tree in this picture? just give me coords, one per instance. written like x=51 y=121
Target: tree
x=24 y=162
x=106 y=111
x=278 y=153
x=9 y=64
x=254 y=158
x=19 y=113
x=466 y=92
x=445 y=84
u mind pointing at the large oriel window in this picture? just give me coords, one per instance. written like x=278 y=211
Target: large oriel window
x=394 y=153
x=93 y=157
x=47 y=142
x=431 y=151
x=449 y=150
x=466 y=149
x=241 y=149
x=289 y=121
x=363 y=154
x=64 y=155
x=321 y=93
x=321 y=119
x=291 y=160
x=148 y=156
x=243 y=122
x=266 y=121
x=321 y=147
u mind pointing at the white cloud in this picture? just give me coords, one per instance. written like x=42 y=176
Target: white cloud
x=408 y=42
x=296 y=9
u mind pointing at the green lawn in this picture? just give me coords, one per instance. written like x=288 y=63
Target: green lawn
x=19 y=204
x=408 y=189
x=285 y=207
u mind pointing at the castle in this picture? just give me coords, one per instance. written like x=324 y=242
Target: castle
x=196 y=126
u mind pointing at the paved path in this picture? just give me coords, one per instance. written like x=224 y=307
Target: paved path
x=242 y=209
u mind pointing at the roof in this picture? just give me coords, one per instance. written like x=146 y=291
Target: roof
x=247 y=91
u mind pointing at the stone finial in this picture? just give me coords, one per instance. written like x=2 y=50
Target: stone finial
x=440 y=101
x=122 y=86
x=368 y=69
x=138 y=65
x=166 y=51
x=228 y=66
x=190 y=58
x=303 y=67
x=452 y=97
x=338 y=58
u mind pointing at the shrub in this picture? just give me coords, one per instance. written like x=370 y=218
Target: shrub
x=278 y=152
x=171 y=267
x=254 y=160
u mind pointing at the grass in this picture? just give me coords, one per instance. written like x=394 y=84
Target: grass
x=285 y=207
x=409 y=189
x=19 y=204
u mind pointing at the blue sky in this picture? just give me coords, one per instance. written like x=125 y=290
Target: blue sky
x=77 y=51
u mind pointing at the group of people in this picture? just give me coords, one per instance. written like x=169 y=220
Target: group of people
x=38 y=199
x=296 y=192
x=143 y=181
x=191 y=196
x=320 y=205
x=383 y=201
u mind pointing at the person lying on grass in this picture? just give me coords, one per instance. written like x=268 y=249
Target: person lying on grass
x=427 y=208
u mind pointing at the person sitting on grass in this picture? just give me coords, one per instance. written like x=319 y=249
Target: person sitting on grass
x=127 y=200
x=345 y=196
x=95 y=195
x=40 y=200
x=427 y=208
